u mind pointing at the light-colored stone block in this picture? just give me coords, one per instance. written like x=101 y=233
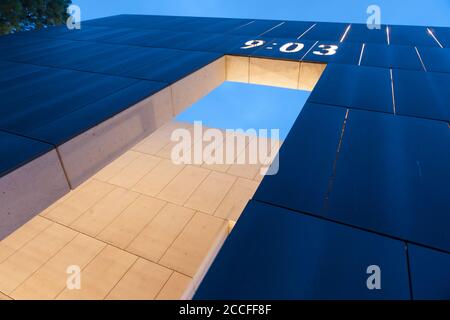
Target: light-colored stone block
x=309 y=75
x=142 y=282
x=154 y=240
x=22 y=236
x=90 y=151
x=117 y=165
x=209 y=194
x=28 y=190
x=237 y=68
x=51 y=278
x=101 y=275
x=24 y=262
x=175 y=287
x=131 y=221
x=247 y=163
x=154 y=181
x=207 y=261
x=57 y=202
x=236 y=199
x=158 y=139
x=188 y=251
x=94 y=220
x=134 y=171
x=232 y=145
x=183 y=148
x=161 y=104
x=4 y=297
x=166 y=152
x=271 y=72
x=198 y=84
x=183 y=185
x=81 y=199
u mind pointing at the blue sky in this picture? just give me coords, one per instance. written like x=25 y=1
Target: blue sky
x=412 y=12
x=235 y=105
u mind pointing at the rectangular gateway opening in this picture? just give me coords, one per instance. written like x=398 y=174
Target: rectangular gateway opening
x=139 y=209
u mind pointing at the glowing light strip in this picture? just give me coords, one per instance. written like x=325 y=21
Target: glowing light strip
x=361 y=55
x=244 y=25
x=309 y=50
x=306 y=31
x=345 y=33
x=393 y=94
x=388 y=36
x=434 y=37
x=271 y=29
x=420 y=58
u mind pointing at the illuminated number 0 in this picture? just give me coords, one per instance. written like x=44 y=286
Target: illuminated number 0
x=252 y=43
x=287 y=47
x=327 y=50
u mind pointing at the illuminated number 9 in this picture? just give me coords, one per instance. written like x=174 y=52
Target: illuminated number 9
x=327 y=50
x=252 y=43
x=297 y=47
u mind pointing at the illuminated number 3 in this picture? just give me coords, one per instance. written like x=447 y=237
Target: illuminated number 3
x=252 y=44
x=326 y=50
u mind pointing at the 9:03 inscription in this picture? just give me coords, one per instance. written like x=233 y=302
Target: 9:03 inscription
x=293 y=47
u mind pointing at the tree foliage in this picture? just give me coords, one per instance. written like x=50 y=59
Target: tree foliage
x=18 y=15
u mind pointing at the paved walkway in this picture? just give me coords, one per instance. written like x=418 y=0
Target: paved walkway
x=139 y=229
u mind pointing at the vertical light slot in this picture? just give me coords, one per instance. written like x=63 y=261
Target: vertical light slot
x=309 y=50
x=388 y=35
x=271 y=29
x=420 y=58
x=244 y=25
x=344 y=124
x=361 y=55
x=306 y=31
x=345 y=33
x=393 y=94
x=430 y=32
